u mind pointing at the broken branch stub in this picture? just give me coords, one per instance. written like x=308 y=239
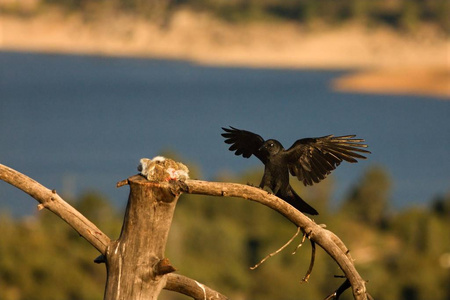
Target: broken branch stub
x=136 y=262
x=116 y=269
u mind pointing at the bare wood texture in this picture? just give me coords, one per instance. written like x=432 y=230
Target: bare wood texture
x=321 y=236
x=53 y=202
x=187 y=286
x=135 y=262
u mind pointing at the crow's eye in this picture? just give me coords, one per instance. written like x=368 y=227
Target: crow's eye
x=271 y=144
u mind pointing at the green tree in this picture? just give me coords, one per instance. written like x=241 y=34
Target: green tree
x=369 y=199
x=43 y=258
x=410 y=15
x=99 y=210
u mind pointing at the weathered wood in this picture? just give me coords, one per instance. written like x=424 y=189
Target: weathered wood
x=135 y=262
x=52 y=201
x=316 y=233
x=136 y=267
x=190 y=287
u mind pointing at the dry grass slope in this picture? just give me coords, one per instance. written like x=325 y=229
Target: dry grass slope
x=391 y=62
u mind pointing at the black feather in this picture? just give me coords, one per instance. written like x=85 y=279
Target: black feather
x=310 y=159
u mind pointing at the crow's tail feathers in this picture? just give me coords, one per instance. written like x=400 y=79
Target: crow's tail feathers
x=293 y=199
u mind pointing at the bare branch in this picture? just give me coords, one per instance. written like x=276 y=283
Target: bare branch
x=340 y=244
x=322 y=237
x=336 y=294
x=53 y=202
x=301 y=243
x=164 y=267
x=277 y=251
x=190 y=287
x=311 y=264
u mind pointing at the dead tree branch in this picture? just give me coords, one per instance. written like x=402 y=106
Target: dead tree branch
x=311 y=263
x=276 y=251
x=190 y=287
x=52 y=201
x=163 y=194
x=321 y=236
x=135 y=262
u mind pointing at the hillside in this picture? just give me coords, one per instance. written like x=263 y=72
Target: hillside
x=386 y=57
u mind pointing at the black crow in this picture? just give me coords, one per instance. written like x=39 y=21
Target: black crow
x=310 y=159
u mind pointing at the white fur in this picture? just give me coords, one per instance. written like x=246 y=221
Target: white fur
x=159 y=159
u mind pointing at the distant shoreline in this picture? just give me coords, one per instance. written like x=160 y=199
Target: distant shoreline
x=389 y=63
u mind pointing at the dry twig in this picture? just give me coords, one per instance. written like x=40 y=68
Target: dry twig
x=321 y=236
x=311 y=264
x=301 y=243
x=52 y=201
x=277 y=251
x=317 y=235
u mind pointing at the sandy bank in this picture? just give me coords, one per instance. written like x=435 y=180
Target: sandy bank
x=200 y=38
x=407 y=80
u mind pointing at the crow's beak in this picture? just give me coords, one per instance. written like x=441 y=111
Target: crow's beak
x=262 y=147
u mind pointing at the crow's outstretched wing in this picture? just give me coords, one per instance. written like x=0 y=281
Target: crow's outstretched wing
x=245 y=143
x=312 y=159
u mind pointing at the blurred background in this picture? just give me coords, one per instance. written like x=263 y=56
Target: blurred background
x=87 y=88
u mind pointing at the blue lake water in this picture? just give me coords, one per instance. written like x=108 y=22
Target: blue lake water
x=79 y=122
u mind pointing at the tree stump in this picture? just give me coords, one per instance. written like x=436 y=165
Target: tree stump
x=135 y=262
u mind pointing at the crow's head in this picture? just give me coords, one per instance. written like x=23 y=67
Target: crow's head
x=272 y=147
